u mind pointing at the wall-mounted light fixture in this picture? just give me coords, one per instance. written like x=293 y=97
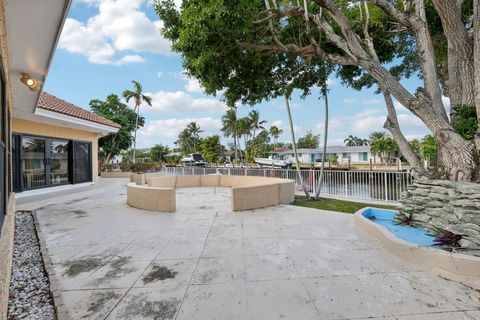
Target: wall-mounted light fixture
x=29 y=81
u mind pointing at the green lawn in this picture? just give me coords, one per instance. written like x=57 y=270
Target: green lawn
x=335 y=205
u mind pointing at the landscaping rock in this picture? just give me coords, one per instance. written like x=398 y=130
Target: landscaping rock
x=446 y=204
x=30 y=296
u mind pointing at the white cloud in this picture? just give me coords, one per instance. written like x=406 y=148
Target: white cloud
x=333 y=125
x=349 y=101
x=277 y=123
x=331 y=82
x=193 y=85
x=372 y=101
x=182 y=102
x=166 y=130
x=159 y=74
x=119 y=26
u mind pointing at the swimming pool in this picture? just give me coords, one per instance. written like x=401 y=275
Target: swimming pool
x=420 y=236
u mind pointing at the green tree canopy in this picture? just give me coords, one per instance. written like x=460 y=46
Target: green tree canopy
x=158 y=152
x=113 y=109
x=309 y=141
x=211 y=148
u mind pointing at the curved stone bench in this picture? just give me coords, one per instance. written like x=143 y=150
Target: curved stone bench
x=150 y=198
x=246 y=192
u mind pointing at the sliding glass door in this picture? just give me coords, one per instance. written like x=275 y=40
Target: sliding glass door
x=33 y=163
x=82 y=165
x=41 y=162
x=57 y=164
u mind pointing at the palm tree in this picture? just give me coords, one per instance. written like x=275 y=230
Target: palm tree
x=230 y=127
x=138 y=96
x=194 y=130
x=294 y=145
x=350 y=141
x=255 y=122
x=158 y=152
x=243 y=129
x=275 y=132
x=325 y=137
x=376 y=147
x=375 y=135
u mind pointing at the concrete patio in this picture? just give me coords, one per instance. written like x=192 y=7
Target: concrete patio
x=206 y=262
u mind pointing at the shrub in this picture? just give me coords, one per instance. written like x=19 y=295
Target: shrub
x=142 y=167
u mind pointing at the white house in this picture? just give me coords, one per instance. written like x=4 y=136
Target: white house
x=356 y=155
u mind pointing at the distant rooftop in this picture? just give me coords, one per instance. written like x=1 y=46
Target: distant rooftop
x=49 y=102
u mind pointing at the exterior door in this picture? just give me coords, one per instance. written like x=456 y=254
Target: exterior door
x=82 y=164
x=57 y=162
x=33 y=164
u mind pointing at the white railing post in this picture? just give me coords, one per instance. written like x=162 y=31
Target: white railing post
x=204 y=171
x=183 y=171
x=228 y=171
x=346 y=182
x=386 y=186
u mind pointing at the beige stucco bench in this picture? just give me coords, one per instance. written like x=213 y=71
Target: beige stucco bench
x=246 y=192
x=150 y=198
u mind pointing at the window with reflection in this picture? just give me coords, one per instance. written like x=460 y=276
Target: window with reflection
x=33 y=162
x=58 y=161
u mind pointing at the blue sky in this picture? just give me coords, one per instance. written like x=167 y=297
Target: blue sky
x=105 y=44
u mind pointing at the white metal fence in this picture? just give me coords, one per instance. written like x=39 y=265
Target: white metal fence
x=367 y=185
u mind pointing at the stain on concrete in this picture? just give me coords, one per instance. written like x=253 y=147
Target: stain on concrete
x=119 y=269
x=98 y=301
x=159 y=273
x=209 y=276
x=75 y=267
x=158 y=310
x=79 y=213
x=205 y=208
x=74 y=201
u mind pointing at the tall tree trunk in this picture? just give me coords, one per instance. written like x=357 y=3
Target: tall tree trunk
x=392 y=125
x=135 y=134
x=294 y=144
x=325 y=140
x=476 y=57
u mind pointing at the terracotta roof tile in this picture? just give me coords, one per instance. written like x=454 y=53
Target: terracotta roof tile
x=52 y=103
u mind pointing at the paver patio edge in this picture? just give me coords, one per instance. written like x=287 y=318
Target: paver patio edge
x=61 y=310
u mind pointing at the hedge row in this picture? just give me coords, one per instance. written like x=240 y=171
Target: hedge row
x=142 y=167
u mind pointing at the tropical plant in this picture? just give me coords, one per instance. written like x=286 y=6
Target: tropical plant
x=429 y=148
x=113 y=109
x=404 y=219
x=158 y=152
x=309 y=141
x=244 y=130
x=352 y=141
x=255 y=123
x=230 y=128
x=212 y=149
x=275 y=132
x=194 y=131
x=447 y=239
x=386 y=148
x=138 y=97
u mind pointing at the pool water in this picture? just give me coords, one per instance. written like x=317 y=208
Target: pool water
x=420 y=236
